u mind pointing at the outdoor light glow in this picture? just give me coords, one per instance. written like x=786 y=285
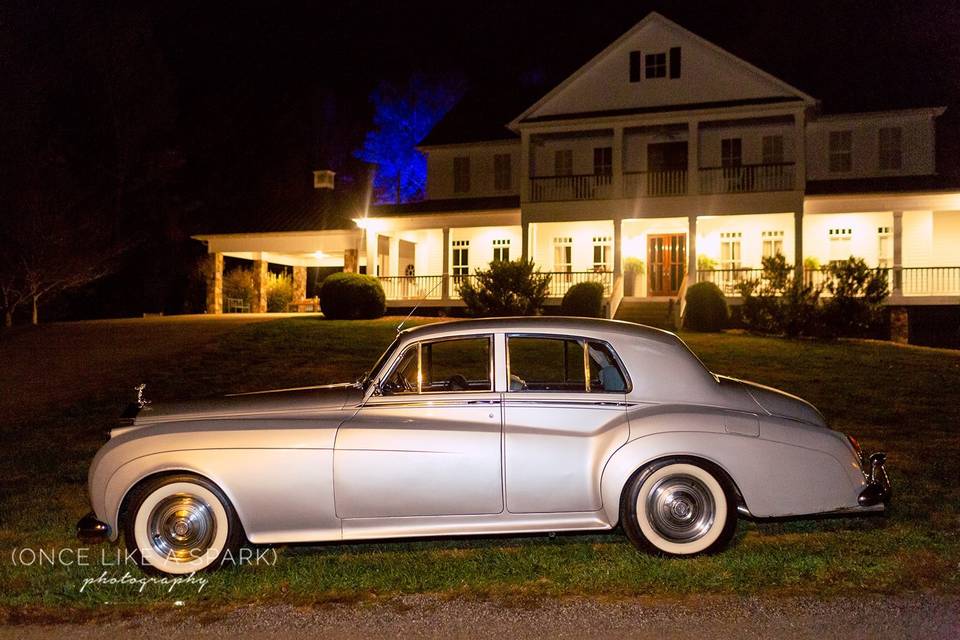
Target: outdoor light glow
x=319 y=255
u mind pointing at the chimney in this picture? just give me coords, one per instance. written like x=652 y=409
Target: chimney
x=323 y=179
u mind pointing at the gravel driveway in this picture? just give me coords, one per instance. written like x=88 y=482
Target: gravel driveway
x=716 y=618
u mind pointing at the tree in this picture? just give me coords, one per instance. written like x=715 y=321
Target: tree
x=403 y=116
x=507 y=288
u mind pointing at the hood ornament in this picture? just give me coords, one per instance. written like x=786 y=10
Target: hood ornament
x=141 y=401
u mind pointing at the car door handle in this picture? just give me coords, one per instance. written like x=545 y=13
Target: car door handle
x=483 y=402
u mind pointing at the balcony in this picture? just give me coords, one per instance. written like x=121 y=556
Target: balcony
x=747 y=178
x=638 y=184
x=576 y=187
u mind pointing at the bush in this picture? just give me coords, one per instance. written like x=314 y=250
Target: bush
x=777 y=303
x=348 y=296
x=583 y=299
x=514 y=288
x=855 y=305
x=279 y=292
x=706 y=308
x=238 y=283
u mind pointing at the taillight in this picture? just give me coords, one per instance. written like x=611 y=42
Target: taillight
x=856 y=446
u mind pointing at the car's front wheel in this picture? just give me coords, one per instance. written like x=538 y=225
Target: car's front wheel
x=679 y=507
x=181 y=524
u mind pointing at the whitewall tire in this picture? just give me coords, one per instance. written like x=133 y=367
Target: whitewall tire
x=181 y=524
x=680 y=507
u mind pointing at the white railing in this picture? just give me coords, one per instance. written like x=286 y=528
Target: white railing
x=580 y=187
x=906 y=281
x=412 y=287
x=561 y=281
x=747 y=178
x=638 y=184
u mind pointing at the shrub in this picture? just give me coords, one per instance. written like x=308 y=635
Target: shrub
x=506 y=288
x=706 y=263
x=634 y=266
x=855 y=305
x=583 y=299
x=349 y=296
x=238 y=283
x=279 y=292
x=778 y=303
x=706 y=308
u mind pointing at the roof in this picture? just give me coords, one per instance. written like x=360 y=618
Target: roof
x=489 y=203
x=482 y=115
x=663 y=108
x=545 y=323
x=885 y=184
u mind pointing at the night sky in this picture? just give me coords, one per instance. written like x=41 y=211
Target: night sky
x=210 y=112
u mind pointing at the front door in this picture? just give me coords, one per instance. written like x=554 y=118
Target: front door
x=667 y=259
x=430 y=443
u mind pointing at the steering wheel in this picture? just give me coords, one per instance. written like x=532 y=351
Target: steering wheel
x=457 y=383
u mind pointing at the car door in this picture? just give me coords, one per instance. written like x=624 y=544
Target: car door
x=429 y=442
x=564 y=415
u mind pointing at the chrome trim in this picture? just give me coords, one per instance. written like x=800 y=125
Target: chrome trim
x=180 y=527
x=91 y=530
x=878 y=489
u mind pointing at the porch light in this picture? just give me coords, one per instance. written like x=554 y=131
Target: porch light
x=319 y=255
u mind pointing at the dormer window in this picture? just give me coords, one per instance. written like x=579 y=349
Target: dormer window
x=655 y=65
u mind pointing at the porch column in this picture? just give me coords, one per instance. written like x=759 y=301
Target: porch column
x=800 y=151
x=693 y=158
x=798 y=244
x=445 y=294
x=617 y=168
x=897 y=284
x=691 y=249
x=299 y=284
x=525 y=240
x=525 y=170
x=617 y=247
x=214 y=277
x=259 y=287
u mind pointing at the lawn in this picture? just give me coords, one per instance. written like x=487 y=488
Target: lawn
x=904 y=400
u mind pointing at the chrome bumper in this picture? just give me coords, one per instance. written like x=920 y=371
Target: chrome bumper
x=878 y=483
x=91 y=530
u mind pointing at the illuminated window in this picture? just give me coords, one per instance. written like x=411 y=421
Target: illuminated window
x=461 y=174
x=772 y=149
x=501 y=250
x=884 y=245
x=502 y=172
x=563 y=162
x=563 y=255
x=730 y=250
x=890 y=147
x=461 y=257
x=841 y=244
x=601 y=253
x=841 y=151
x=772 y=243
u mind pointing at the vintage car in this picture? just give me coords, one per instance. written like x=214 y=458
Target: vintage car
x=499 y=426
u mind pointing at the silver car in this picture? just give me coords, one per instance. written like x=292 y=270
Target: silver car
x=500 y=426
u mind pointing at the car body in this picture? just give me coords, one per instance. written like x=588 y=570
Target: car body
x=496 y=426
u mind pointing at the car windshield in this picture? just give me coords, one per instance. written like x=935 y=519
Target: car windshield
x=371 y=375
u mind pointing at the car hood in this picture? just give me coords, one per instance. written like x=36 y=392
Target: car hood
x=778 y=403
x=259 y=403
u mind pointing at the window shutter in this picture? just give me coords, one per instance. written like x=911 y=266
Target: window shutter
x=674 y=62
x=636 y=66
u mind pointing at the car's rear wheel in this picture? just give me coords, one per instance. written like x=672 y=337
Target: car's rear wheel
x=679 y=507
x=181 y=524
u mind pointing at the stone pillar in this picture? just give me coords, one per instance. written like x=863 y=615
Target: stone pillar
x=899 y=325
x=897 y=282
x=299 y=284
x=214 y=277
x=445 y=294
x=259 y=287
x=351 y=261
x=798 y=244
x=693 y=157
x=691 y=249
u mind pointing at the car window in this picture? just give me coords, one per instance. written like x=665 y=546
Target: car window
x=546 y=364
x=403 y=377
x=606 y=375
x=461 y=364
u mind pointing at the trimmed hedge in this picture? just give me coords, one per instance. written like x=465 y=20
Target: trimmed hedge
x=583 y=299
x=706 y=308
x=350 y=296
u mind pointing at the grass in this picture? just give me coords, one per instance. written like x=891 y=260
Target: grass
x=904 y=400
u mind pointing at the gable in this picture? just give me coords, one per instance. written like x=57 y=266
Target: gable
x=707 y=75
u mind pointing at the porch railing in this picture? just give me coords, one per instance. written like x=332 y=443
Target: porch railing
x=561 y=281
x=907 y=281
x=638 y=184
x=578 y=187
x=747 y=178
x=728 y=279
x=412 y=287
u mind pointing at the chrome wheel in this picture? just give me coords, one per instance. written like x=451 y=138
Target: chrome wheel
x=181 y=527
x=680 y=508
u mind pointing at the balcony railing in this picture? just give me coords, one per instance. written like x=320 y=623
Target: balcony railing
x=907 y=281
x=747 y=178
x=579 y=187
x=637 y=184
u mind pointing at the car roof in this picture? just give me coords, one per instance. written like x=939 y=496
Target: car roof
x=535 y=323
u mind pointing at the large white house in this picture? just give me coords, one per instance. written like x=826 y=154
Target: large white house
x=667 y=153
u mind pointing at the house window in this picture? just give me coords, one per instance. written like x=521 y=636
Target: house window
x=730 y=152
x=890 y=144
x=563 y=255
x=461 y=174
x=656 y=65
x=563 y=162
x=884 y=247
x=841 y=151
x=772 y=149
x=730 y=250
x=601 y=253
x=603 y=161
x=501 y=250
x=772 y=243
x=461 y=257
x=502 y=172
x=841 y=243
